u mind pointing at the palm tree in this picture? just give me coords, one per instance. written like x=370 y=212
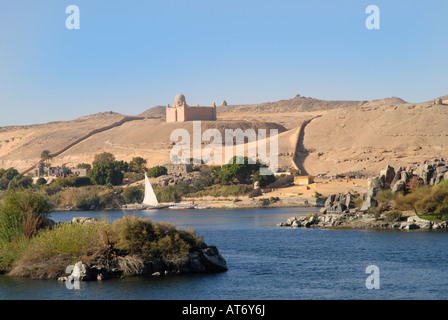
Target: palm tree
x=46 y=156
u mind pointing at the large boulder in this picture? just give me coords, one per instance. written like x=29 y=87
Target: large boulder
x=409 y=226
x=204 y=260
x=83 y=220
x=337 y=208
x=387 y=176
x=79 y=272
x=329 y=202
x=421 y=223
x=396 y=178
x=212 y=259
x=296 y=224
x=373 y=186
x=348 y=201
x=399 y=186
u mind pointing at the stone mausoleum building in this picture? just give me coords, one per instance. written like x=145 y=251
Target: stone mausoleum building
x=181 y=112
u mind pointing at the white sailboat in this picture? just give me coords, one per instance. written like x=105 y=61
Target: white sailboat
x=149 y=201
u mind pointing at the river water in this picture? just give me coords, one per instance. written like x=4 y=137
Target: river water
x=271 y=263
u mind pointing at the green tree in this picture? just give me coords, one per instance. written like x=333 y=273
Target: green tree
x=123 y=165
x=4 y=183
x=103 y=158
x=107 y=173
x=64 y=182
x=20 y=181
x=46 y=156
x=238 y=170
x=264 y=180
x=226 y=175
x=10 y=173
x=6 y=176
x=85 y=166
x=157 y=171
x=82 y=181
x=132 y=195
x=413 y=201
x=436 y=200
x=137 y=164
x=41 y=181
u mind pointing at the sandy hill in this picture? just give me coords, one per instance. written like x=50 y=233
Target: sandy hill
x=21 y=147
x=316 y=136
x=283 y=110
x=296 y=104
x=155 y=112
x=370 y=137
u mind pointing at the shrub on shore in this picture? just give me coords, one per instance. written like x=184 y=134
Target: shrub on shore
x=131 y=235
x=47 y=254
x=87 y=198
x=132 y=195
x=71 y=239
x=157 y=171
x=176 y=192
x=32 y=246
x=22 y=212
x=425 y=199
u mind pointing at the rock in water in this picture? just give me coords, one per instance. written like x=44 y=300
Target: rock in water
x=81 y=272
x=212 y=260
x=82 y=220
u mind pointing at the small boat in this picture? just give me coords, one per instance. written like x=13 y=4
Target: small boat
x=150 y=201
x=180 y=206
x=133 y=207
x=202 y=208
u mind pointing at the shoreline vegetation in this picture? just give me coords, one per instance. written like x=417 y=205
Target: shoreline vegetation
x=111 y=184
x=32 y=245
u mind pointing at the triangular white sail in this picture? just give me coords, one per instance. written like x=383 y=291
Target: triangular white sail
x=150 y=197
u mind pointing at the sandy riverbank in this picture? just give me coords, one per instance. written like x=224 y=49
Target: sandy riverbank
x=290 y=196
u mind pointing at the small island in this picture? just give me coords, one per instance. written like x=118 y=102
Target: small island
x=33 y=246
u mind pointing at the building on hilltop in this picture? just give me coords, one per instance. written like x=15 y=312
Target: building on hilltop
x=181 y=112
x=440 y=101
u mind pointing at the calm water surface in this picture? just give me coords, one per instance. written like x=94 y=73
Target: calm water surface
x=269 y=263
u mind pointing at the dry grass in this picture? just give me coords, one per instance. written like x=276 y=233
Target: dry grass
x=128 y=243
x=132 y=265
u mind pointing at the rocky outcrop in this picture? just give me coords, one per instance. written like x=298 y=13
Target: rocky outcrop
x=360 y=220
x=415 y=222
x=339 y=203
x=107 y=265
x=373 y=186
x=339 y=209
x=173 y=179
x=404 y=179
x=84 y=220
x=305 y=221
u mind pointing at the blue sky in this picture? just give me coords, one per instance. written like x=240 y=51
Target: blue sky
x=129 y=56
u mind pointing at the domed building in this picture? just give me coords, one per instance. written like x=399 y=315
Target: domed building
x=181 y=112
